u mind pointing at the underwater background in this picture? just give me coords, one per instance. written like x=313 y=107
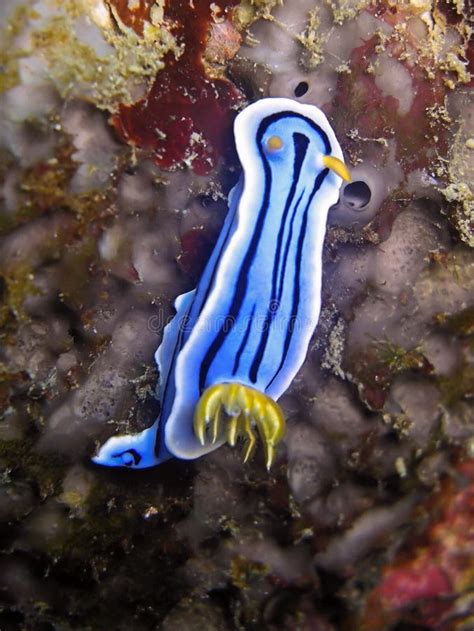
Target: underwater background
x=116 y=159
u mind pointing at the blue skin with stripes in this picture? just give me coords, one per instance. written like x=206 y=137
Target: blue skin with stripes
x=252 y=315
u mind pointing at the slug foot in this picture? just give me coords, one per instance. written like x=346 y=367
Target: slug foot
x=236 y=410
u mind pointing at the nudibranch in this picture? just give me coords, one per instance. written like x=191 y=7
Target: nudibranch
x=238 y=340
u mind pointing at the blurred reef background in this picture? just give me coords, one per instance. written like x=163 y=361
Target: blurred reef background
x=116 y=158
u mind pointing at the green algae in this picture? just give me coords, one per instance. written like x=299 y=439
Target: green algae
x=19 y=285
x=9 y=54
x=76 y=265
x=397 y=358
x=44 y=471
x=459 y=386
x=46 y=187
x=243 y=571
x=461 y=323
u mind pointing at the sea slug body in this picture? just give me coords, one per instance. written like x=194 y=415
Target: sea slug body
x=237 y=340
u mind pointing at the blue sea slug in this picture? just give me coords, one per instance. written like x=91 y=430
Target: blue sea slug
x=237 y=340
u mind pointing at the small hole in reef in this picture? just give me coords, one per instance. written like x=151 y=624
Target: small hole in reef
x=357 y=195
x=301 y=88
x=206 y=201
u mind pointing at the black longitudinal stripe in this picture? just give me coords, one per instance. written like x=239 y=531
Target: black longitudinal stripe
x=242 y=277
x=243 y=342
x=300 y=142
x=287 y=248
x=296 y=285
x=179 y=342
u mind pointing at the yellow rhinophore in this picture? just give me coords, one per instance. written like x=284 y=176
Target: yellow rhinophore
x=236 y=409
x=338 y=166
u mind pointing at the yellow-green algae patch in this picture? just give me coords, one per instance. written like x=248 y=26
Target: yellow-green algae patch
x=45 y=470
x=459 y=386
x=312 y=40
x=461 y=323
x=343 y=10
x=457 y=171
x=19 y=285
x=45 y=187
x=249 y=11
x=118 y=77
x=44 y=190
x=10 y=53
x=243 y=572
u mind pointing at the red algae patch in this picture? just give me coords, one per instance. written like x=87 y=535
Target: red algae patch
x=187 y=116
x=428 y=580
x=375 y=115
